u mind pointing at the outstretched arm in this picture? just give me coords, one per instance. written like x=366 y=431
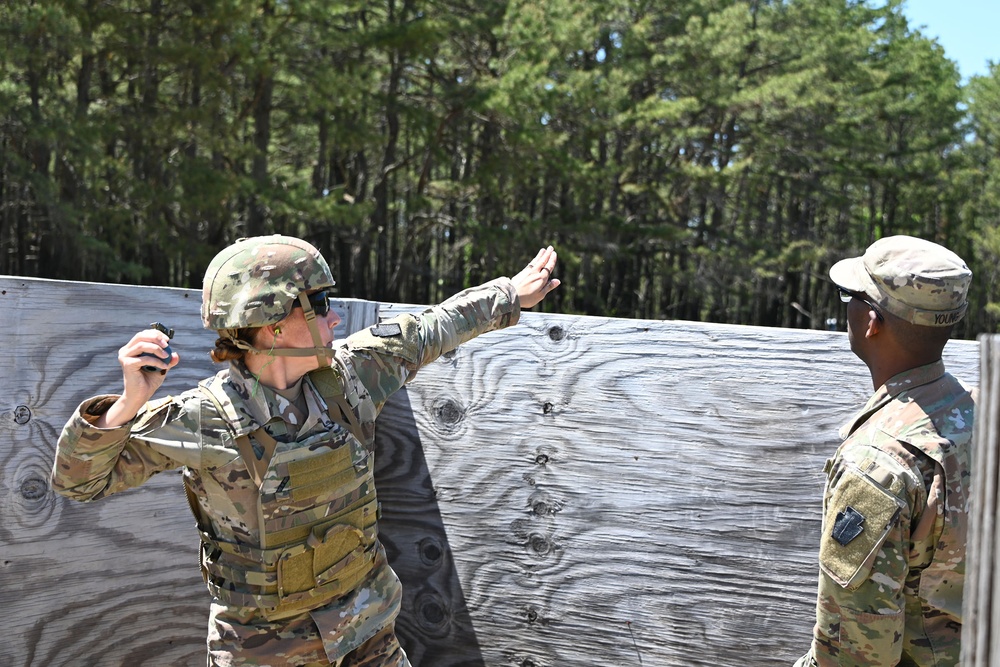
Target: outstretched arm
x=416 y=340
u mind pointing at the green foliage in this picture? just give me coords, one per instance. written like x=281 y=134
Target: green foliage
x=700 y=159
x=981 y=181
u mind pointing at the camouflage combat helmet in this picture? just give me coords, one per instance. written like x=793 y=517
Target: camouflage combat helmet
x=255 y=281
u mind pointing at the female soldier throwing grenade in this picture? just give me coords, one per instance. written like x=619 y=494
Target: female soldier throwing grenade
x=277 y=449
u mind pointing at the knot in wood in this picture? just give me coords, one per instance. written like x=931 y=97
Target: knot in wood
x=542 y=459
x=527 y=662
x=449 y=412
x=540 y=545
x=547 y=408
x=542 y=504
x=34 y=488
x=430 y=551
x=557 y=333
x=22 y=414
x=433 y=614
x=532 y=616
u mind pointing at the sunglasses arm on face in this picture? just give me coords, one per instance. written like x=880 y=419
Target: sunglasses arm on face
x=846 y=295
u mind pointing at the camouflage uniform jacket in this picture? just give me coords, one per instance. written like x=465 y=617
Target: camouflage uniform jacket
x=189 y=432
x=895 y=510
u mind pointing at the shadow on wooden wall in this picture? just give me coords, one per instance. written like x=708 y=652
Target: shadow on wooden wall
x=435 y=627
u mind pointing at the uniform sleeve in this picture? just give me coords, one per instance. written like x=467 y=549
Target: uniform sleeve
x=864 y=562
x=92 y=462
x=389 y=354
x=466 y=315
x=805 y=661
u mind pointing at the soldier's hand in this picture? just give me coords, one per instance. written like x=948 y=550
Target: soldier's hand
x=535 y=280
x=146 y=358
x=146 y=348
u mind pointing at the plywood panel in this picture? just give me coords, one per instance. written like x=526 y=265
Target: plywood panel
x=981 y=613
x=572 y=491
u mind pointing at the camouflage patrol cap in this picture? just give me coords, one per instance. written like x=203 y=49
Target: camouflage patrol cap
x=916 y=280
x=255 y=281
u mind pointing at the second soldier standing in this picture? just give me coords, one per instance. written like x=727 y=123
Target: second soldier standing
x=895 y=510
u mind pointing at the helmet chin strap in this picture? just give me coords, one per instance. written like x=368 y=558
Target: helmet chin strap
x=323 y=354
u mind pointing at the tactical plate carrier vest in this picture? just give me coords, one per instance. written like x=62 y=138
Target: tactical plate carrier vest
x=316 y=507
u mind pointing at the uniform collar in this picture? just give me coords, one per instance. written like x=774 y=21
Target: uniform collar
x=264 y=403
x=894 y=386
x=915 y=377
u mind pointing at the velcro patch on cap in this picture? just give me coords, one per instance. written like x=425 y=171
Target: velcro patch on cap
x=848 y=525
x=386 y=330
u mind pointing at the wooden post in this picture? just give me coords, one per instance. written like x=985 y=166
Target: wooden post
x=981 y=612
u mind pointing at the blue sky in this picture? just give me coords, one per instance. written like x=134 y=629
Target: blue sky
x=967 y=29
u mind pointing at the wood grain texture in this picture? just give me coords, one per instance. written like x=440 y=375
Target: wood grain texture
x=571 y=491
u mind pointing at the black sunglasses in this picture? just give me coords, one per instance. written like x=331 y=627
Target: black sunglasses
x=320 y=302
x=846 y=296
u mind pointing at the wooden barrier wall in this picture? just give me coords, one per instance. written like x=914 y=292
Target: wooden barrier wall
x=570 y=491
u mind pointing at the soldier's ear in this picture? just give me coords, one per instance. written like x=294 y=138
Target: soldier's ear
x=875 y=325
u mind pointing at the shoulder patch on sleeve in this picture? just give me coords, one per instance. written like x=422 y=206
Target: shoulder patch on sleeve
x=848 y=525
x=398 y=337
x=386 y=329
x=860 y=514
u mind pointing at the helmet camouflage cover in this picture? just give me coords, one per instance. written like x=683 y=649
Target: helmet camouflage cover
x=255 y=281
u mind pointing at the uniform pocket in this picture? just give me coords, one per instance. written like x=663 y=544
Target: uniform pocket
x=338 y=549
x=397 y=337
x=341 y=549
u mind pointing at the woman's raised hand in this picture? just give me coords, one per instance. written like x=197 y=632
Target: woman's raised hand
x=535 y=280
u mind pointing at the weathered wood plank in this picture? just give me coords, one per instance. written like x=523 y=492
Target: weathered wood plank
x=574 y=491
